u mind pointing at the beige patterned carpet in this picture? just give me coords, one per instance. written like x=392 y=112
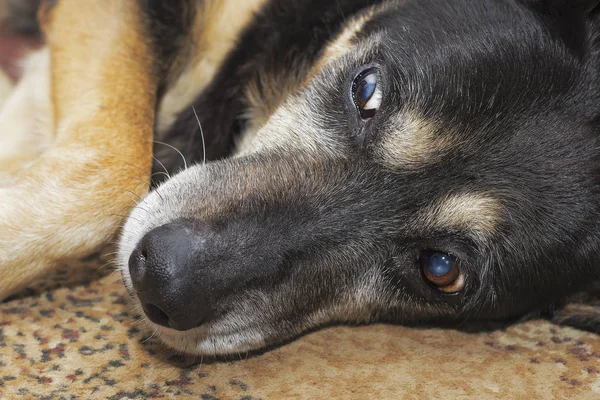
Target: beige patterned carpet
x=83 y=343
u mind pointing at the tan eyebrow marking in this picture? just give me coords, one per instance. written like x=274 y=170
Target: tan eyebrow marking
x=478 y=213
x=410 y=141
x=344 y=42
x=269 y=91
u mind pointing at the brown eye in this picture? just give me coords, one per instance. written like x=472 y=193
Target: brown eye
x=442 y=270
x=366 y=93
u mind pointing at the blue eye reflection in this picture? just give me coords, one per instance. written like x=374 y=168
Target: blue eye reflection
x=442 y=270
x=366 y=88
x=438 y=264
x=366 y=94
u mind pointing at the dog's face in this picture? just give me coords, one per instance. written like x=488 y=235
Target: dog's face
x=440 y=163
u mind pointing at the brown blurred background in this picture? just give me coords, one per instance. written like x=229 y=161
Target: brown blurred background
x=18 y=33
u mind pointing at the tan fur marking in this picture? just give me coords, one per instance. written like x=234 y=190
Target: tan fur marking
x=345 y=41
x=73 y=198
x=216 y=30
x=411 y=142
x=266 y=96
x=477 y=213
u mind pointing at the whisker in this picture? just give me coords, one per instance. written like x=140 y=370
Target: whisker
x=149 y=337
x=141 y=180
x=141 y=207
x=138 y=321
x=162 y=165
x=201 y=135
x=115 y=271
x=160 y=173
x=176 y=149
x=159 y=195
x=136 y=195
x=171 y=373
x=106 y=264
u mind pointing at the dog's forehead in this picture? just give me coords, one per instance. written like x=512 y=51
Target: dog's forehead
x=450 y=86
x=449 y=79
x=455 y=93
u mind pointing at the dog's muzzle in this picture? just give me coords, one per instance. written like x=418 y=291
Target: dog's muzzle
x=181 y=271
x=194 y=260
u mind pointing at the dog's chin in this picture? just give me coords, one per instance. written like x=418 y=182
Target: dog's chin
x=200 y=341
x=219 y=338
x=206 y=340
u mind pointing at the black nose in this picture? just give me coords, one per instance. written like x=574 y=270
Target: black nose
x=168 y=273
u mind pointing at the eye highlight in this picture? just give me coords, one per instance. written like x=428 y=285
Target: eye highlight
x=442 y=270
x=366 y=93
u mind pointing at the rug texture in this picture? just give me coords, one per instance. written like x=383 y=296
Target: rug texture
x=84 y=342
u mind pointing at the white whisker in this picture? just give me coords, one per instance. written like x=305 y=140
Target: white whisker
x=162 y=165
x=154 y=332
x=160 y=173
x=201 y=135
x=135 y=194
x=174 y=148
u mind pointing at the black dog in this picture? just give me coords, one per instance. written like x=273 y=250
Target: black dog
x=407 y=161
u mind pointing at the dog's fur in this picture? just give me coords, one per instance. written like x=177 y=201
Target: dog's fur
x=485 y=147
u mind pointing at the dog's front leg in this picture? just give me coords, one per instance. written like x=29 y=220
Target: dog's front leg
x=103 y=85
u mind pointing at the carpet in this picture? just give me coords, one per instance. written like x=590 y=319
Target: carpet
x=83 y=342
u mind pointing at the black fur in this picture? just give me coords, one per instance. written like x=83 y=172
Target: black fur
x=284 y=35
x=528 y=120
x=168 y=27
x=509 y=94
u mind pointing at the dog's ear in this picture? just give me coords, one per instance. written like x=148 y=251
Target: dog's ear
x=559 y=8
x=570 y=20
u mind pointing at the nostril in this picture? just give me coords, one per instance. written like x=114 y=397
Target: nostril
x=156 y=315
x=137 y=267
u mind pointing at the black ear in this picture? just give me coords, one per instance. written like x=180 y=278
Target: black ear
x=560 y=8
x=568 y=20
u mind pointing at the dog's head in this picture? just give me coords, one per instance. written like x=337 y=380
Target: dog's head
x=440 y=163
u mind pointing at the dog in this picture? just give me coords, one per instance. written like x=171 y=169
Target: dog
x=313 y=163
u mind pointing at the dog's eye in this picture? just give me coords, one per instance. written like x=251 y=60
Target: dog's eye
x=366 y=93
x=442 y=270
